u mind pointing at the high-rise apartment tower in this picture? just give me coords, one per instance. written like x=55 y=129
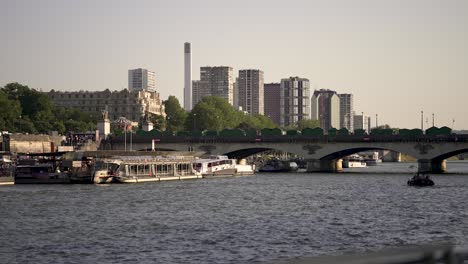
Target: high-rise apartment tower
x=326 y=108
x=215 y=81
x=346 y=111
x=294 y=100
x=250 y=91
x=141 y=80
x=272 y=101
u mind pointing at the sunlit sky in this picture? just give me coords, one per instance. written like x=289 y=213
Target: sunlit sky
x=398 y=57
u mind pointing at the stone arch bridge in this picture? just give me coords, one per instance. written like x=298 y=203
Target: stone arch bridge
x=323 y=154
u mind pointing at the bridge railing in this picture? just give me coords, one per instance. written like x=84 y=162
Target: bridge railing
x=292 y=138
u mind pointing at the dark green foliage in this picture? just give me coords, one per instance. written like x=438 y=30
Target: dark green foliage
x=197 y=133
x=332 y=131
x=211 y=133
x=23 y=109
x=168 y=133
x=404 y=132
x=410 y=132
x=307 y=123
x=271 y=132
x=175 y=115
x=312 y=131
x=159 y=122
x=416 y=132
x=293 y=132
x=152 y=133
x=10 y=110
x=379 y=131
x=183 y=133
x=445 y=130
x=343 y=132
x=232 y=133
x=434 y=131
x=360 y=132
x=251 y=132
x=215 y=113
x=143 y=133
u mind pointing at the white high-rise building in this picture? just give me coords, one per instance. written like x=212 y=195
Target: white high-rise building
x=250 y=91
x=326 y=108
x=215 y=81
x=294 y=100
x=188 y=77
x=141 y=80
x=346 y=111
x=362 y=122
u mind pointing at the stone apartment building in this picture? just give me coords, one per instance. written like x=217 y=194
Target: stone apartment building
x=126 y=103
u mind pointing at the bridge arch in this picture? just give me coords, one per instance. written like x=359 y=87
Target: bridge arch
x=450 y=154
x=349 y=151
x=246 y=152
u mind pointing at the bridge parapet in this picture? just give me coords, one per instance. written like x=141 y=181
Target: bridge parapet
x=323 y=156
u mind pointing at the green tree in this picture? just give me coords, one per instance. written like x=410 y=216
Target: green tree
x=25 y=125
x=175 y=115
x=386 y=126
x=255 y=122
x=213 y=113
x=15 y=90
x=34 y=104
x=204 y=117
x=10 y=110
x=159 y=122
x=264 y=122
x=307 y=123
x=27 y=110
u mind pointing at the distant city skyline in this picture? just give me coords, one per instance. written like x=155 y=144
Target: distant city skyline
x=397 y=58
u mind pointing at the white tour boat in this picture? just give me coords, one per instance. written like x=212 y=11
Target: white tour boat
x=222 y=166
x=145 y=169
x=354 y=161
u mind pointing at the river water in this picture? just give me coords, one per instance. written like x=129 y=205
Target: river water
x=256 y=219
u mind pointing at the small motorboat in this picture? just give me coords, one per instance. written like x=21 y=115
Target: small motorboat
x=420 y=179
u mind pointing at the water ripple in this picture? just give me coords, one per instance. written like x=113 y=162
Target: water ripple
x=229 y=220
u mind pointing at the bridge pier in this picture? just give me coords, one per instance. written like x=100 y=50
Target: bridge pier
x=432 y=166
x=317 y=165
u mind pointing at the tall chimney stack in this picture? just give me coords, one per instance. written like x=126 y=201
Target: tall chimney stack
x=188 y=77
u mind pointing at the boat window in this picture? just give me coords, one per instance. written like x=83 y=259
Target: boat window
x=133 y=169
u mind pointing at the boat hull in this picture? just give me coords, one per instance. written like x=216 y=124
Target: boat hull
x=155 y=179
x=354 y=164
x=421 y=182
x=45 y=179
x=7 y=180
x=221 y=173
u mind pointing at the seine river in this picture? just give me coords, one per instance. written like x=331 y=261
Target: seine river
x=256 y=219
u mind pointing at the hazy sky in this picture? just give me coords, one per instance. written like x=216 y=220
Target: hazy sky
x=397 y=57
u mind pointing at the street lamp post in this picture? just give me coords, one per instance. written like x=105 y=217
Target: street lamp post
x=125 y=122
x=376 y=120
x=422 y=120
x=194 y=121
x=131 y=136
